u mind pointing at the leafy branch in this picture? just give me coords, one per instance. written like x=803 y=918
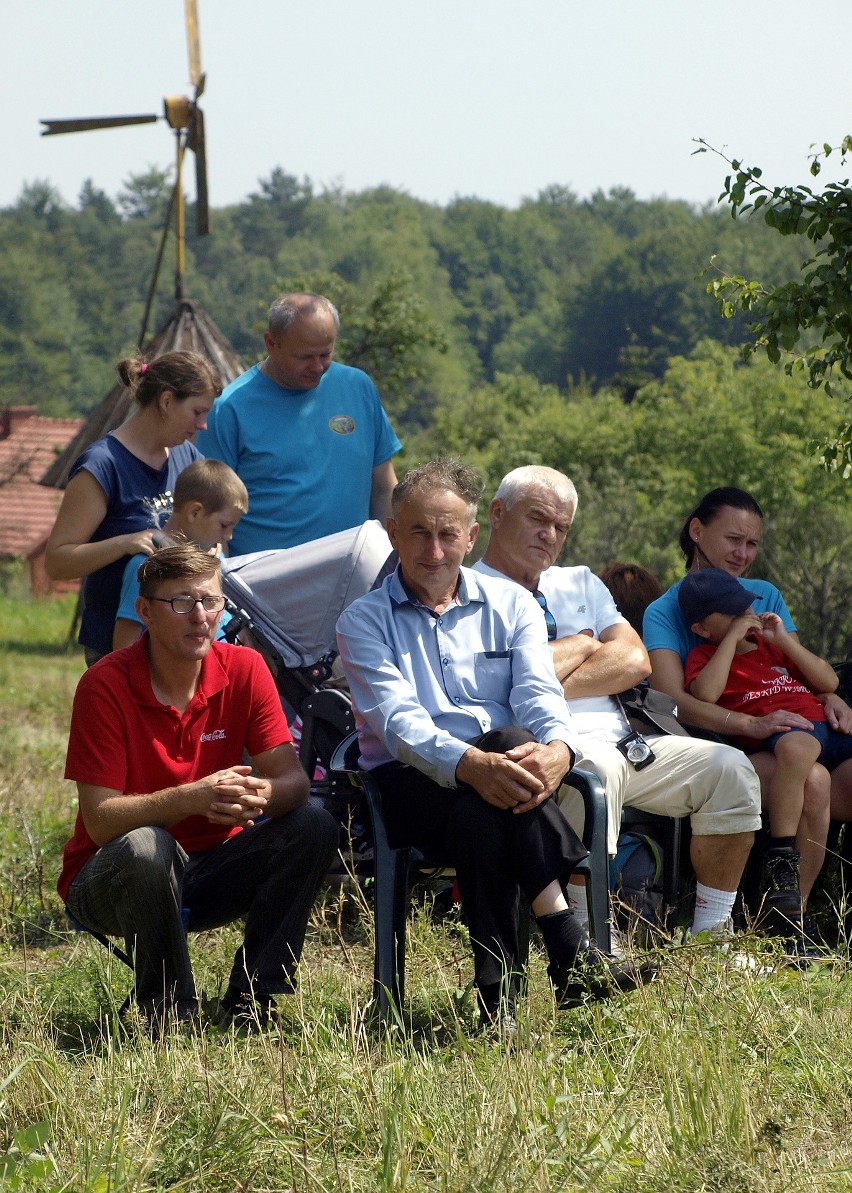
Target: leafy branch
x=808 y=320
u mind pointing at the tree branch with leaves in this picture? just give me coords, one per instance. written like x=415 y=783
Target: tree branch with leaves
x=807 y=321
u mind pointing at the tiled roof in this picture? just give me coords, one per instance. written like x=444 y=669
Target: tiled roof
x=27 y=513
x=34 y=445
x=27 y=509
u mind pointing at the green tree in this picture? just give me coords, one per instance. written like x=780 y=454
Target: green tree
x=715 y=420
x=646 y=295
x=146 y=195
x=808 y=320
x=710 y=420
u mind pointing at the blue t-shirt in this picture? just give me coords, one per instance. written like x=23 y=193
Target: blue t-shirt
x=305 y=456
x=132 y=488
x=664 y=628
x=130 y=591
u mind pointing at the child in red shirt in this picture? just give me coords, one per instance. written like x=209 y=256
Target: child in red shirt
x=753 y=665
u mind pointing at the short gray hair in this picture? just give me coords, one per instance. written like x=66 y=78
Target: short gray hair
x=519 y=481
x=443 y=473
x=289 y=307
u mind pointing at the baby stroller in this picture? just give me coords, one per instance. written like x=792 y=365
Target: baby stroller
x=289 y=602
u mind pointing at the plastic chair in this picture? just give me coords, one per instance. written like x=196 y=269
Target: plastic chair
x=393 y=868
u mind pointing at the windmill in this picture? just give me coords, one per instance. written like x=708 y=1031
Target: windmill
x=186 y=118
x=188 y=326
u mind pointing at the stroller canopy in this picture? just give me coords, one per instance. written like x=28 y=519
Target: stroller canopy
x=294 y=596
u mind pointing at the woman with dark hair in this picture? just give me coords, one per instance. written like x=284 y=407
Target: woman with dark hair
x=120 y=484
x=724 y=531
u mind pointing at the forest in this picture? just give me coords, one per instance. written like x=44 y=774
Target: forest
x=575 y=332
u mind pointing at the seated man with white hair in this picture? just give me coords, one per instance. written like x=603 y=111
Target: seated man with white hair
x=598 y=655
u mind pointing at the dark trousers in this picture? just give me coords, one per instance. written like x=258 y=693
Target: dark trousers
x=495 y=852
x=136 y=886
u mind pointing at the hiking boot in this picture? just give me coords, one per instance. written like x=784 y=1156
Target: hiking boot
x=800 y=948
x=781 y=899
x=594 y=975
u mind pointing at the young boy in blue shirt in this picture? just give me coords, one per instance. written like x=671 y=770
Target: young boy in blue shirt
x=209 y=501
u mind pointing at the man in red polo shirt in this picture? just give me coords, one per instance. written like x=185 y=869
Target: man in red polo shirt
x=167 y=809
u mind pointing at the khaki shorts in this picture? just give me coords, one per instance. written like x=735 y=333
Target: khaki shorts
x=714 y=784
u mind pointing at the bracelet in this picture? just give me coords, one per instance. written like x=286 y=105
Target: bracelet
x=727 y=718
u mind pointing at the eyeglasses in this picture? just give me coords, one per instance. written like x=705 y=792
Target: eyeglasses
x=549 y=619
x=185 y=604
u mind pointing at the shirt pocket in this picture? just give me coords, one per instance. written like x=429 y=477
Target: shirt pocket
x=492 y=676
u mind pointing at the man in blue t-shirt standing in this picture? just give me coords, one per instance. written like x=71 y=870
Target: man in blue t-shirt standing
x=307 y=436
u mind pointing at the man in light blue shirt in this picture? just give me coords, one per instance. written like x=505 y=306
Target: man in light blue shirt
x=464 y=728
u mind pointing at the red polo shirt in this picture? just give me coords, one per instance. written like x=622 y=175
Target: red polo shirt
x=123 y=738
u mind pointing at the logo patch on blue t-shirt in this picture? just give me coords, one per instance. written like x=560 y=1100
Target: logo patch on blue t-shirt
x=342 y=424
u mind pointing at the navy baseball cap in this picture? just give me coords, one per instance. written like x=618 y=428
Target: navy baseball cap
x=710 y=590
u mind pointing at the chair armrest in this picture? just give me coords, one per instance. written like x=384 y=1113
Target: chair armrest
x=344 y=760
x=592 y=793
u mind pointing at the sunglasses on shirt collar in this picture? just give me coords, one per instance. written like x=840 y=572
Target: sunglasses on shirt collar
x=549 y=619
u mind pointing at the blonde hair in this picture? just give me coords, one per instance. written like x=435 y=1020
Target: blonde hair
x=213 y=484
x=179 y=562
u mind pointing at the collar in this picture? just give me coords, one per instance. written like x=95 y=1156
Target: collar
x=213 y=677
x=487 y=570
x=468 y=591
x=285 y=389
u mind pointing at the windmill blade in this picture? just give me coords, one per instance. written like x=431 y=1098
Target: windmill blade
x=193 y=44
x=196 y=142
x=54 y=127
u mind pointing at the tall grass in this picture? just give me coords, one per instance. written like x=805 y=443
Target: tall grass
x=716 y=1078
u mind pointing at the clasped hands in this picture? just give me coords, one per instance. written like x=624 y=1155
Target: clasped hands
x=518 y=780
x=238 y=796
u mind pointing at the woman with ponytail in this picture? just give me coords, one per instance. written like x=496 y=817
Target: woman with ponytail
x=122 y=483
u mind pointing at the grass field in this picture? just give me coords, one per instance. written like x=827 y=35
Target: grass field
x=717 y=1078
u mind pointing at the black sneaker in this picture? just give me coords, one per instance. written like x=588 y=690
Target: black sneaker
x=781 y=899
x=594 y=975
x=247 y=1012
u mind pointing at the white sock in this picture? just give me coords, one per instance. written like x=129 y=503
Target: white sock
x=712 y=908
x=576 y=896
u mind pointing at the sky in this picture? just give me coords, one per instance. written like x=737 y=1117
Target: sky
x=491 y=99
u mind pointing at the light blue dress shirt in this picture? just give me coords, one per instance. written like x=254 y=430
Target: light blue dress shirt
x=425 y=686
